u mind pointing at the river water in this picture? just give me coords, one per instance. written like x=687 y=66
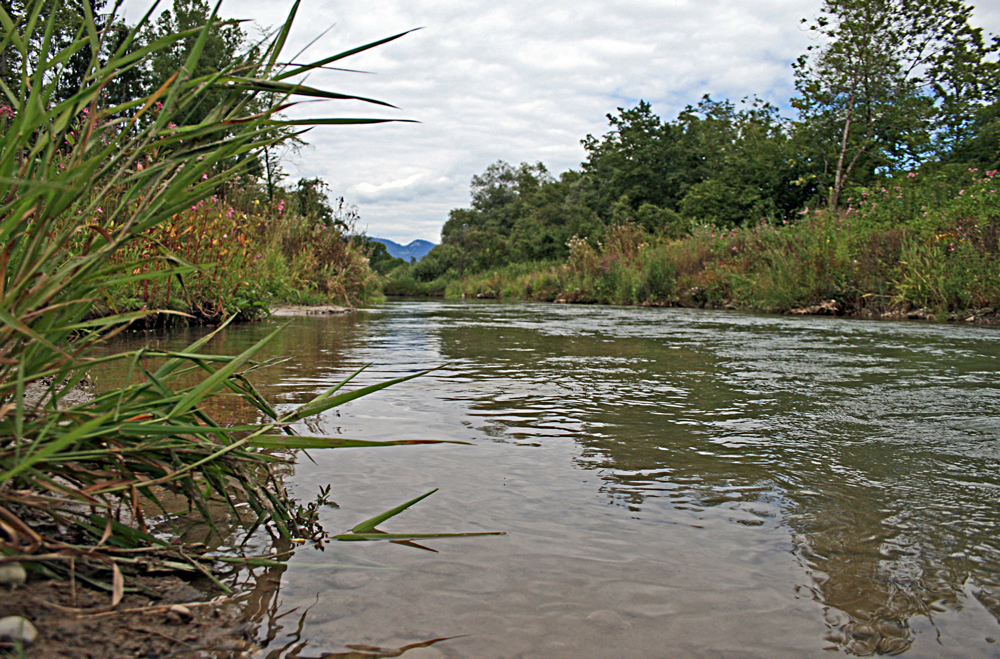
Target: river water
x=672 y=483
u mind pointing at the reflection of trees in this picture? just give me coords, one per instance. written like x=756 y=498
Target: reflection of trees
x=884 y=534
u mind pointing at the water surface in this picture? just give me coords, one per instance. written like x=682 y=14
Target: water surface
x=673 y=483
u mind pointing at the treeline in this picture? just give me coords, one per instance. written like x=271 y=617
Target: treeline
x=893 y=91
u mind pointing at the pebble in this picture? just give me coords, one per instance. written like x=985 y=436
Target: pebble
x=18 y=629
x=12 y=574
x=182 y=611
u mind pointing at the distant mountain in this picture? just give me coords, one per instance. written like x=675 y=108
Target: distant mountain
x=417 y=249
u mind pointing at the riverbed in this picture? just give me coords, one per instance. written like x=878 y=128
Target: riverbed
x=672 y=483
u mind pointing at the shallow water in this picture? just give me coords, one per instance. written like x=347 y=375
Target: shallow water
x=673 y=483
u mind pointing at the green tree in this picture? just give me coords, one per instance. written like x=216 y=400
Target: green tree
x=643 y=158
x=889 y=79
x=980 y=146
x=223 y=50
x=750 y=167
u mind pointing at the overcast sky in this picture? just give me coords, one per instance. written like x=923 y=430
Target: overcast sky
x=519 y=80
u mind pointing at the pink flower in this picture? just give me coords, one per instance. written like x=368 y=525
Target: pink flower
x=911 y=175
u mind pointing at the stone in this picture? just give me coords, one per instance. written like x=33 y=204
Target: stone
x=182 y=612
x=17 y=630
x=12 y=574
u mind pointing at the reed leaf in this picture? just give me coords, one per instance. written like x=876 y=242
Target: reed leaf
x=73 y=201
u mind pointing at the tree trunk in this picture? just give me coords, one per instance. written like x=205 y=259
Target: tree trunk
x=839 y=176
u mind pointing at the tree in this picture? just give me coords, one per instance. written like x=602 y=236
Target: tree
x=222 y=50
x=643 y=158
x=981 y=146
x=889 y=80
x=750 y=167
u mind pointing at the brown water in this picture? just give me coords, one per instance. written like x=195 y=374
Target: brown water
x=673 y=483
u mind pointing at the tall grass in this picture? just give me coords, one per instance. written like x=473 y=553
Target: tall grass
x=96 y=199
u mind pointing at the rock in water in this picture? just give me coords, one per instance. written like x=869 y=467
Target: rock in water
x=17 y=629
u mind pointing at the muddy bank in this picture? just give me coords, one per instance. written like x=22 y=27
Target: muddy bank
x=160 y=614
x=169 y=618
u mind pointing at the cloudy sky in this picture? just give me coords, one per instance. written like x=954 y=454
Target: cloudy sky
x=519 y=80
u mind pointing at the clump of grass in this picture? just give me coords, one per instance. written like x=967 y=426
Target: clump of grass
x=97 y=198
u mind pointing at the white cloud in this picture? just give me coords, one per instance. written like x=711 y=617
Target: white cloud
x=518 y=81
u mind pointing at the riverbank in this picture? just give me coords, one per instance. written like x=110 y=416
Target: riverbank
x=857 y=263
x=165 y=617
x=923 y=247
x=241 y=257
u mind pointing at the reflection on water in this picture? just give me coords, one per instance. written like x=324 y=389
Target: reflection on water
x=673 y=483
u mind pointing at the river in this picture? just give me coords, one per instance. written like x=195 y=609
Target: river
x=672 y=483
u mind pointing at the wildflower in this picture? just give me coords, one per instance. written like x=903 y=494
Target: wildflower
x=6 y=112
x=911 y=175
x=98 y=210
x=961 y=192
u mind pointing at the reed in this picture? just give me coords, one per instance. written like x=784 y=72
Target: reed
x=89 y=195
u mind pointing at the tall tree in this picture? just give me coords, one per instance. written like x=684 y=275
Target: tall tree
x=888 y=80
x=223 y=50
x=641 y=158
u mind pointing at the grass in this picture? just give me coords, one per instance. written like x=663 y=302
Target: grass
x=109 y=214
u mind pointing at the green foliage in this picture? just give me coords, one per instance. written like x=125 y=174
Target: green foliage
x=893 y=78
x=930 y=247
x=91 y=193
x=222 y=49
